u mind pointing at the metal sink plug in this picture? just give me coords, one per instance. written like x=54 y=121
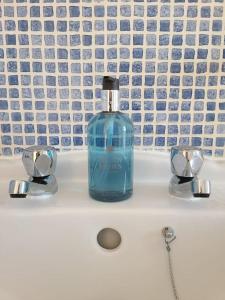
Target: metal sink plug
x=186 y=163
x=40 y=164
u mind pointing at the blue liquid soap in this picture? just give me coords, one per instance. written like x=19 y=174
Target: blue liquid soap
x=110 y=151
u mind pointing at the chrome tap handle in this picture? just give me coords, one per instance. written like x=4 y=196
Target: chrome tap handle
x=39 y=161
x=186 y=161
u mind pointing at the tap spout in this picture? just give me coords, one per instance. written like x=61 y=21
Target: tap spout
x=35 y=186
x=201 y=188
x=189 y=187
x=18 y=188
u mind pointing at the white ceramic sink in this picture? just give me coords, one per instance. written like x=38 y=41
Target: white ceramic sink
x=49 y=251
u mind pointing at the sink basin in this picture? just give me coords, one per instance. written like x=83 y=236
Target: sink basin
x=49 y=248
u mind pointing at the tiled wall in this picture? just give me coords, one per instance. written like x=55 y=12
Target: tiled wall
x=169 y=56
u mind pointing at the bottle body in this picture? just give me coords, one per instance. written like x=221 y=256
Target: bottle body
x=110 y=157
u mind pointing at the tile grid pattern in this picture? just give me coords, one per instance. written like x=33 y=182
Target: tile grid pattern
x=169 y=56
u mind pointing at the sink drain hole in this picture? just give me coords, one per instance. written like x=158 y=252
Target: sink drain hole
x=109 y=238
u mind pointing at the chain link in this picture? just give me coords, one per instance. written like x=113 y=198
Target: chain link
x=172 y=279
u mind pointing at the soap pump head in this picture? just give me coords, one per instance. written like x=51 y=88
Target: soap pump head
x=110 y=93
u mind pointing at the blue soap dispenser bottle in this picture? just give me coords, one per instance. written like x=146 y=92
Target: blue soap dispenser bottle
x=110 y=148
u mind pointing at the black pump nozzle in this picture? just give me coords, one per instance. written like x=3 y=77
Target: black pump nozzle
x=110 y=83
